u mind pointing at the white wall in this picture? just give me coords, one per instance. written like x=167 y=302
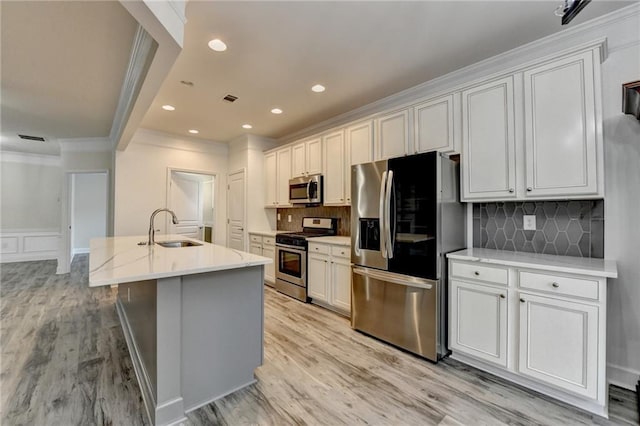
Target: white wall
x=141 y=178
x=622 y=212
x=89 y=209
x=29 y=192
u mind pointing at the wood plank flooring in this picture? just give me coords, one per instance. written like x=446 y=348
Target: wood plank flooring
x=64 y=362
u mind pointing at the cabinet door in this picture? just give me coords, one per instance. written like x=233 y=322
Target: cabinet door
x=270 y=181
x=318 y=277
x=340 y=293
x=560 y=127
x=255 y=249
x=334 y=169
x=434 y=125
x=360 y=142
x=392 y=135
x=298 y=160
x=478 y=320
x=488 y=141
x=270 y=269
x=314 y=156
x=559 y=343
x=284 y=174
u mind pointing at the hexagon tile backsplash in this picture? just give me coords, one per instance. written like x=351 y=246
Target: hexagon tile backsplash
x=570 y=228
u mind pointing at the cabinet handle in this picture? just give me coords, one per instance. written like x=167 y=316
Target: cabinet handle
x=529 y=189
x=555 y=285
x=476 y=273
x=502 y=296
x=341 y=199
x=511 y=190
x=522 y=300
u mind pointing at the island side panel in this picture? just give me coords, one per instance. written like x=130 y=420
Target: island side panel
x=222 y=333
x=137 y=308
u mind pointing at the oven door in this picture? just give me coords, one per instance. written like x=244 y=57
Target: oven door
x=292 y=264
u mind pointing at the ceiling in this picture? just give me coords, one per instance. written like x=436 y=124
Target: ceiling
x=63 y=64
x=361 y=51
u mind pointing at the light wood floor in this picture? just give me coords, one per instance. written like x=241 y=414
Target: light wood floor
x=64 y=362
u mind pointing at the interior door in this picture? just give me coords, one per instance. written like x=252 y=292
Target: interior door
x=236 y=216
x=185 y=199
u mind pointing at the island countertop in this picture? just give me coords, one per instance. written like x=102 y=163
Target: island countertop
x=116 y=260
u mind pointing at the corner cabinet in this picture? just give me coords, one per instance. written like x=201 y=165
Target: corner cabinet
x=536 y=133
x=488 y=141
x=329 y=276
x=540 y=322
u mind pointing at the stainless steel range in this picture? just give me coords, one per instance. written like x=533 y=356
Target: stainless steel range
x=291 y=254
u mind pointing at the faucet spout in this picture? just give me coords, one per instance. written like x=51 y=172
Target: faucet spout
x=152 y=231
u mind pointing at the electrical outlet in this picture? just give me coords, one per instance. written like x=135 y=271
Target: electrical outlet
x=278 y=216
x=289 y=218
x=529 y=221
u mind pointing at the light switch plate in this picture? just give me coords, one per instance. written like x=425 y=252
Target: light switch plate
x=529 y=221
x=289 y=218
x=278 y=216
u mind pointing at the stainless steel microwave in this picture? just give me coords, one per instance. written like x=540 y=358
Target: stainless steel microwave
x=306 y=190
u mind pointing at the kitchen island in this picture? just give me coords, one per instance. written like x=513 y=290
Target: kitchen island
x=192 y=317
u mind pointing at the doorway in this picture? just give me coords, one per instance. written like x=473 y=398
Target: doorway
x=88 y=213
x=236 y=210
x=191 y=196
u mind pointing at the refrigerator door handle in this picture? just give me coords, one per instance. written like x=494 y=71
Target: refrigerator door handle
x=387 y=214
x=395 y=278
x=381 y=211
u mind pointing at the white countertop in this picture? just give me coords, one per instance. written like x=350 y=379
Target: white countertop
x=569 y=264
x=117 y=260
x=334 y=239
x=266 y=233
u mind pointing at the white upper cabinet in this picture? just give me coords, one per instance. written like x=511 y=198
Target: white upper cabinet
x=561 y=129
x=306 y=158
x=392 y=134
x=334 y=168
x=488 y=141
x=360 y=143
x=271 y=178
x=434 y=125
x=284 y=174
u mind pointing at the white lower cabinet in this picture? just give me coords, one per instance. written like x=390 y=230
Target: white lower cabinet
x=559 y=343
x=479 y=321
x=265 y=246
x=540 y=328
x=329 y=276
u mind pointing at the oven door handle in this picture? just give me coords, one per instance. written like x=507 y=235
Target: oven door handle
x=290 y=248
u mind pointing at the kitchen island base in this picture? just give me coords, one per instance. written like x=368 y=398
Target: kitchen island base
x=193 y=338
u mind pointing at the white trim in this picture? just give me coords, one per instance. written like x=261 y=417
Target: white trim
x=623 y=377
x=29 y=245
x=100 y=144
x=84 y=250
x=30 y=158
x=179 y=142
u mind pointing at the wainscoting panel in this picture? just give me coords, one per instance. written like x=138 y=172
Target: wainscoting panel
x=27 y=245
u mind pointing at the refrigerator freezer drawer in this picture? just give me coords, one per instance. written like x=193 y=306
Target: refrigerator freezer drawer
x=397 y=309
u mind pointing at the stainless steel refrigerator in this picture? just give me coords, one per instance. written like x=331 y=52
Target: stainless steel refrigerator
x=405 y=216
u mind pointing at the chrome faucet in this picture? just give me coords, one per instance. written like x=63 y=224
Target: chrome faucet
x=152 y=231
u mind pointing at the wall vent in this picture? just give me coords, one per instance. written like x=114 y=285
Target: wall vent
x=31 y=138
x=230 y=98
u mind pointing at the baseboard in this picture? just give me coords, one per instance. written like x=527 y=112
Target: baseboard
x=623 y=377
x=80 y=251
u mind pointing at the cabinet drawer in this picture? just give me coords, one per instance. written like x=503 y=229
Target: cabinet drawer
x=474 y=271
x=268 y=241
x=255 y=238
x=559 y=285
x=341 y=251
x=318 y=248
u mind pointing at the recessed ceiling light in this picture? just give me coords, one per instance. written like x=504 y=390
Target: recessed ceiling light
x=194 y=131
x=276 y=111
x=168 y=107
x=247 y=126
x=217 y=45
x=318 y=88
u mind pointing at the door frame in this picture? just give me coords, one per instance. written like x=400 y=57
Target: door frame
x=65 y=257
x=216 y=184
x=245 y=236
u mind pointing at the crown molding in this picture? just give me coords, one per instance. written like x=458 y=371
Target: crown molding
x=30 y=158
x=557 y=44
x=178 y=142
x=86 y=145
